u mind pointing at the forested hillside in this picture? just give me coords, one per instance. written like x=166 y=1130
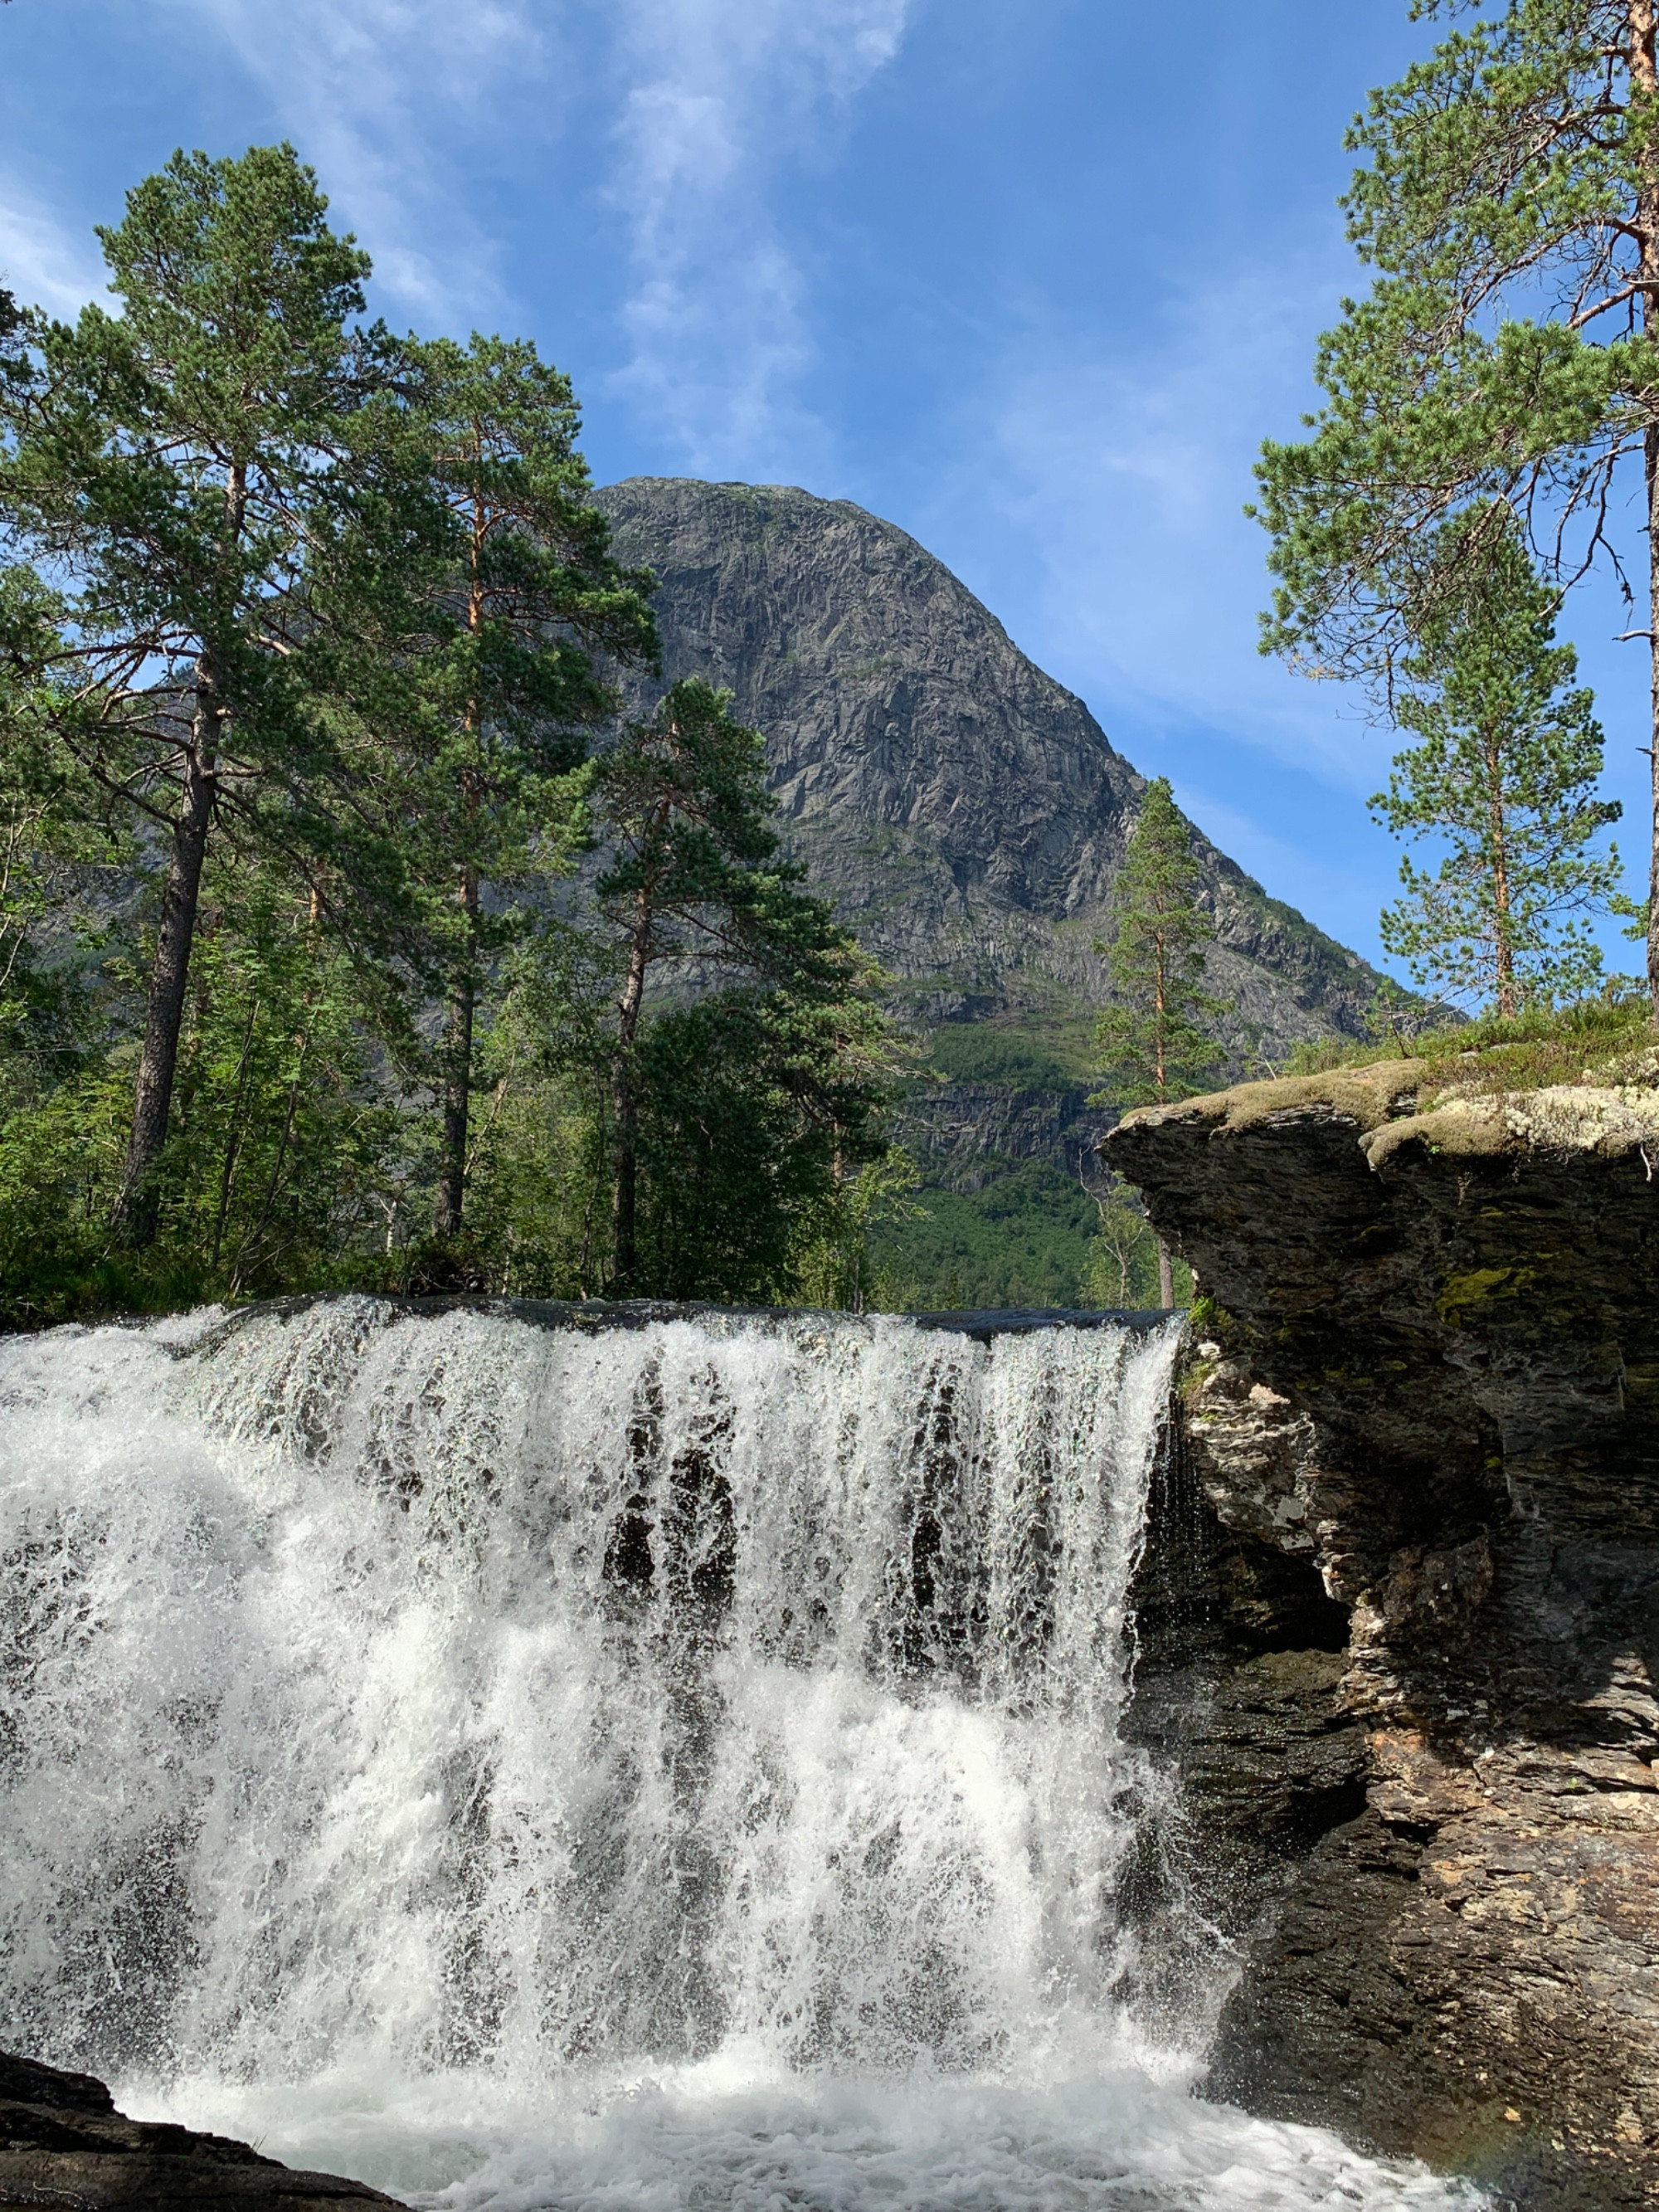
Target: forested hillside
x=968 y=815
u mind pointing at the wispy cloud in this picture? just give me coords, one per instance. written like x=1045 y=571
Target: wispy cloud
x=41 y=262
x=1124 y=481
x=387 y=99
x=720 y=96
x=698 y=109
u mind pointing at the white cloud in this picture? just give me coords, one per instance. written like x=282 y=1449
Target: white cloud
x=720 y=96
x=41 y=263
x=386 y=99
x=701 y=105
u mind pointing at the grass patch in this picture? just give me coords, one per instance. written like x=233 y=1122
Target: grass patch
x=1501 y=1053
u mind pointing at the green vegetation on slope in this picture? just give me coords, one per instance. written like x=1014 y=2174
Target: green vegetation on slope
x=1022 y=1241
x=1030 y=1234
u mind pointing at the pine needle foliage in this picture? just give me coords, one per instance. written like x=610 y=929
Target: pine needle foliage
x=1507 y=358
x=1505 y=770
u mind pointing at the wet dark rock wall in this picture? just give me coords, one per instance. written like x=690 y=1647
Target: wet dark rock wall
x=1410 y=1674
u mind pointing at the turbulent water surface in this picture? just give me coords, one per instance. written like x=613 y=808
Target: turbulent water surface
x=666 y=1766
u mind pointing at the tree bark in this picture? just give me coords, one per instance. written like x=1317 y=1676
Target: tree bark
x=1644 y=86
x=460 y=1009
x=624 y=1252
x=1651 y=454
x=1165 y=1277
x=450 y=1204
x=1508 y=1001
x=137 y=1206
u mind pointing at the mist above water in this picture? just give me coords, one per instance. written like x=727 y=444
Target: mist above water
x=654 y=1766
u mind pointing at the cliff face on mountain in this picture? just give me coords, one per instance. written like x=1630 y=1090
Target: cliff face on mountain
x=967 y=813
x=1411 y=1671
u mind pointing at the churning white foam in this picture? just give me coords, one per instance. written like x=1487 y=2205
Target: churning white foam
x=663 y=1766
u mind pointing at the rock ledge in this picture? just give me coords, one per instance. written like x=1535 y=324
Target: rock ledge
x=63 y=2143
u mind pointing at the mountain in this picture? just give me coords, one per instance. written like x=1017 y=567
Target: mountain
x=968 y=815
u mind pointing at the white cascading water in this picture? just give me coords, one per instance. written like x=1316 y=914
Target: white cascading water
x=659 y=1766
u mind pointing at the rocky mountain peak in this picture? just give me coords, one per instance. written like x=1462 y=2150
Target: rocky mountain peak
x=968 y=815
x=967 y=812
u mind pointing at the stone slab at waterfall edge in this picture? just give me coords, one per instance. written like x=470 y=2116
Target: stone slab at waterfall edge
x=63 y=2143
x=1428 y=1369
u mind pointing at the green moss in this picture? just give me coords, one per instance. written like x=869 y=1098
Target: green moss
x=1461 y=1292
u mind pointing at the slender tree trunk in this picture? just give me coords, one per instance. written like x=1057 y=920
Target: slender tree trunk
x=1503 y=936
x=232 y=1141
x=449 y=1205
x=460 y=1010
x=1165 y=1276
x=624 y=1096
x=624 y=1252
x=1650 y=445
x=461 y=1005
x=1644 y=86
x=136 y=1208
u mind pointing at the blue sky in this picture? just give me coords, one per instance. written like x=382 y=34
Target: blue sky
x=1032 y=278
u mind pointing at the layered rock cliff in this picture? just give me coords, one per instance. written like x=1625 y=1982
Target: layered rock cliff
x=1423 y=1392
x=967 y=813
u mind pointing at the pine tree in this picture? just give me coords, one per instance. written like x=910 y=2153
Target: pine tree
x=788 y=1067
x=1504 y=771
x=528 y=595
x=199 y=478
x=1154 y=1044
x=1508 y=356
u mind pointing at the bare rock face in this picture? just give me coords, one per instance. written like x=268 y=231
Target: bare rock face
x=967 y=812
x=63 y=2143
x=1426 y=1375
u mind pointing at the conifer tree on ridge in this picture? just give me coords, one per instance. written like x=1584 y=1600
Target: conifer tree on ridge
x=1508 y=354
x=1504 y=769
x=1154 y=1045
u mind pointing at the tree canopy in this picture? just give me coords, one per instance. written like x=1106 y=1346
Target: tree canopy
x=329 y=888
x=202 y=531
x=1504 y=366
x=1504 y=772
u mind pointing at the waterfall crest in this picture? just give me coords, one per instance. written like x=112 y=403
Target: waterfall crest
x=424 y=1699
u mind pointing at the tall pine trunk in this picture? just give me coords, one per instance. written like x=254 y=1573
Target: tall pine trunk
x=1644 y=87
x=624 y=1099
x=1509 y=996
x=137 y=1206
x=461 y=1003
x=1651 y=454
x=458 y=1015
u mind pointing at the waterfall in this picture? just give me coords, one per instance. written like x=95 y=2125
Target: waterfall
x=439 y=1716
